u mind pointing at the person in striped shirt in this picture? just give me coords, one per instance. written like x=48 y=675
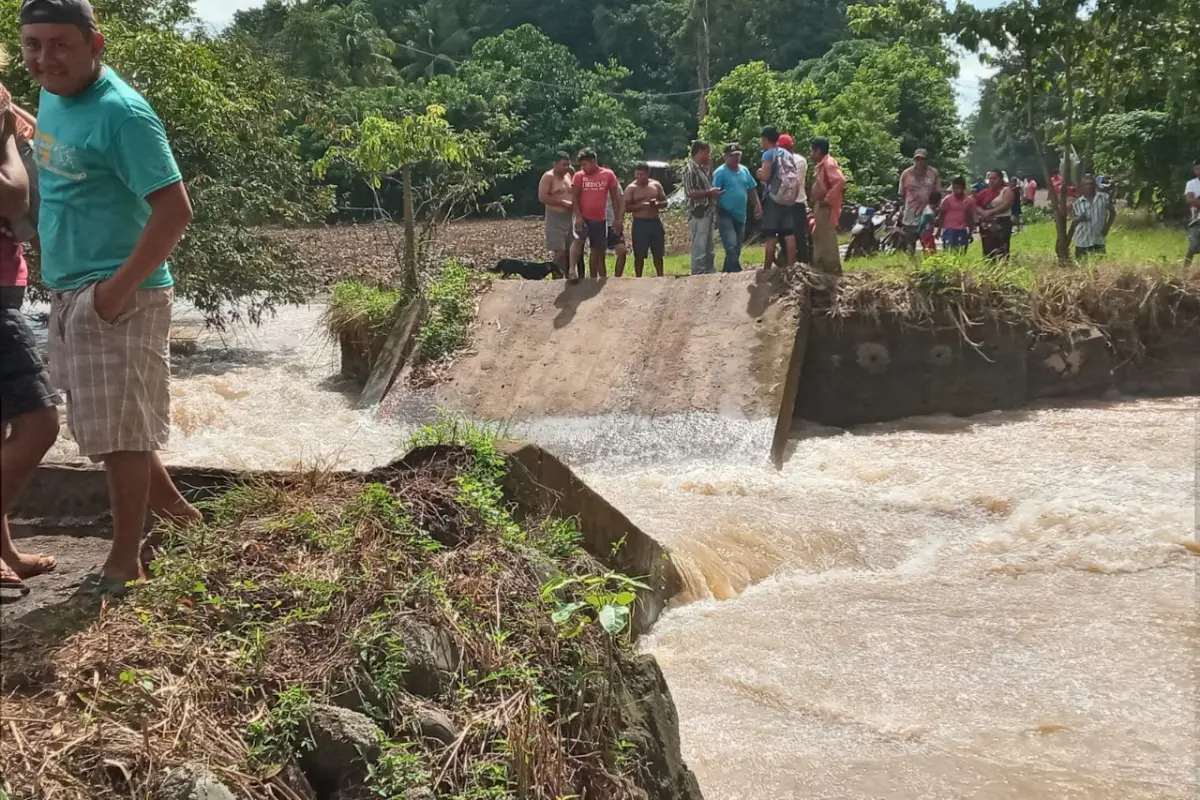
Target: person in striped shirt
x=1093 y=214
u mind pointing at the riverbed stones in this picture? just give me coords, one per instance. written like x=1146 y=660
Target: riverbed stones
x=344 y=742
x=652 y=725
x=430 y=656
x=191 y=782
x=436 y=726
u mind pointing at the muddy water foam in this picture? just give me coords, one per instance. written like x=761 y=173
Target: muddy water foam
x=1000 y=607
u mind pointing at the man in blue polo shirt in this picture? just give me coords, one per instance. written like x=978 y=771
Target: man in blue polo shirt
x=738 y=187
x=113 y=208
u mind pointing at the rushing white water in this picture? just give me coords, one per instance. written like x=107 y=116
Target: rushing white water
x=268 y=398
x=999 y=607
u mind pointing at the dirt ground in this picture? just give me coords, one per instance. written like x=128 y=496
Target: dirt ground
x=370 y=251
x=713 y=343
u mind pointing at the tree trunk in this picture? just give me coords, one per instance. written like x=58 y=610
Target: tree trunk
x=702 y=50
x=1062 y=247
x=408 y=281
x=1033 y=135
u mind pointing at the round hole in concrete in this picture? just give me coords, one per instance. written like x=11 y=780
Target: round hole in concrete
x=941 y=355
x=873 y=357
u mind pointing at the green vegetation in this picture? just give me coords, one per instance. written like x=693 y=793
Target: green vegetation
x=1133 y=244
x=317 y=587
x=427 y=110
x=360 y=311
x=451 y=310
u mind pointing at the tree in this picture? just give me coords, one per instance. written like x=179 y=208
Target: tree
x=381 y=148
x=228 y=115
x=753 y=96
x=435 y=37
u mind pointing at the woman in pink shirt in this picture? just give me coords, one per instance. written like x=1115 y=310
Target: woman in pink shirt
x=956 y=216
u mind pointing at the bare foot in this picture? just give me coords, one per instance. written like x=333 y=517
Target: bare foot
x=179 y=513
x=30 y=565
x=10 y=579
x=122 y=574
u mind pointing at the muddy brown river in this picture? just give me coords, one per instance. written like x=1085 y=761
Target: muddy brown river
x=996 y=607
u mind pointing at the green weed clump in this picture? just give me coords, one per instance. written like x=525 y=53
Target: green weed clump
x=306 y=590
x=360 y=310
x=451 y=311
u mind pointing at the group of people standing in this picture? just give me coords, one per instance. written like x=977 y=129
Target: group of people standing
x=994 y=208
x=720 y=201
x=991 y=207
x=112 y=208
x=587 y=207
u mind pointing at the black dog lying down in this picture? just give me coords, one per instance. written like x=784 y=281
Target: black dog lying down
x=529 y=270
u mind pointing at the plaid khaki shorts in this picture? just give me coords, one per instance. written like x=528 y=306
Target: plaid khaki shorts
x=116 y=376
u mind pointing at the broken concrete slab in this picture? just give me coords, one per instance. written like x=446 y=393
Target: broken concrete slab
x=712 y=343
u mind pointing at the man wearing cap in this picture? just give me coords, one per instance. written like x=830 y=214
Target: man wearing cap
x=113 y=208
x=918 y=185
x=737 y=185
x=800 y=209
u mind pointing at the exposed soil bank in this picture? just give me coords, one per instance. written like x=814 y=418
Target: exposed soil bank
x=859 y=370
x=888 y=352
x=334 y=636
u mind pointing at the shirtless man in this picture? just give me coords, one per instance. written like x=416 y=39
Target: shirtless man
x=554 y=192
x=643 y=198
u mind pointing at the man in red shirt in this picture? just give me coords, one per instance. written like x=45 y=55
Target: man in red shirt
x=826 y=197
x=594 y=187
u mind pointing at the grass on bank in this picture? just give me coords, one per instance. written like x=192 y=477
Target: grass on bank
x=299 y=590
x=1131 y=242
x=364 y=313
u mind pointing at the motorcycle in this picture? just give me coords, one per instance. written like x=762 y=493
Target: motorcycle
x=873 y=232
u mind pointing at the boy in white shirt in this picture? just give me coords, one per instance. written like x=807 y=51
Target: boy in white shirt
x=1192 y=193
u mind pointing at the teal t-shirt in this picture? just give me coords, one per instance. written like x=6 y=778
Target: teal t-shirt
x=736 y=188
x=99 y=153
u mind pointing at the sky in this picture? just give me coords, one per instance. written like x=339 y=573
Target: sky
x=219 y=13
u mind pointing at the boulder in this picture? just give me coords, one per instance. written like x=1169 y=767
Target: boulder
x=429 y=654
x=436 y=726
x=191 y=782
x=344 y=742
x=652 y=724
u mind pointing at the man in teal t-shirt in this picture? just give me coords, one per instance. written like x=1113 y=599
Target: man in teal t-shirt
x=113 y=208
x=738 y=186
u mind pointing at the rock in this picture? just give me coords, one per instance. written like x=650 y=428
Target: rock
x=429 y=655
x=293 y=778
x=344 y=742
x=652 y=724
x=437 y=726
x=418 y=793
x=191 y=782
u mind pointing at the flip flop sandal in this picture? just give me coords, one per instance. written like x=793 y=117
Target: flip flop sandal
x=12 y=583
x=97 y=585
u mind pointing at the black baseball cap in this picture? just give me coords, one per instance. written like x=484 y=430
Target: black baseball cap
x=733 y=147
x=59 y=12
